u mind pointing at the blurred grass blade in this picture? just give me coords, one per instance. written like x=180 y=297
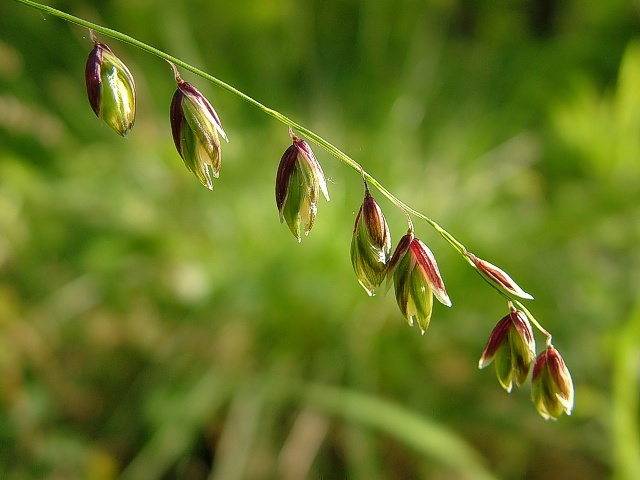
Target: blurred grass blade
x=415 y=431
x=180 y=430
x=363 y=453
x=240 y=430
x=305 y=438
x=627 y=99
x=626 y=395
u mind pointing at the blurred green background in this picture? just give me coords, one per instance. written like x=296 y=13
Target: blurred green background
x=150 y=328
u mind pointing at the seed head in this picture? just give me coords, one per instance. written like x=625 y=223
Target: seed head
x=370 y=245
x=498 y=277
x=195 y=127
x=416 y=280
x=298 y=184
x=552 y=390
x=110 y=88
x=513 y=347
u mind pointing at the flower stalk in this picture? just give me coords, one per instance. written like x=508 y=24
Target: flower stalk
x=310 y=135
x=413 y=268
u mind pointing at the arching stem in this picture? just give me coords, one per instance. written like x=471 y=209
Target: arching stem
x=312 y=136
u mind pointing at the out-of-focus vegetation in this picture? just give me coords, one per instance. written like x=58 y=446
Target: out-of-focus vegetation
x=150 y=328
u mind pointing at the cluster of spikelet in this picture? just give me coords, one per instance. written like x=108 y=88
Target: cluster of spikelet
x=411 y=268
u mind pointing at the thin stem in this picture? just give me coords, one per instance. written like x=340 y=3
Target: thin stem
x=176 y=73
x=533 y=320
x=315 y=138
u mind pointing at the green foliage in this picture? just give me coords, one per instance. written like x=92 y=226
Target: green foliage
x=150 y=328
